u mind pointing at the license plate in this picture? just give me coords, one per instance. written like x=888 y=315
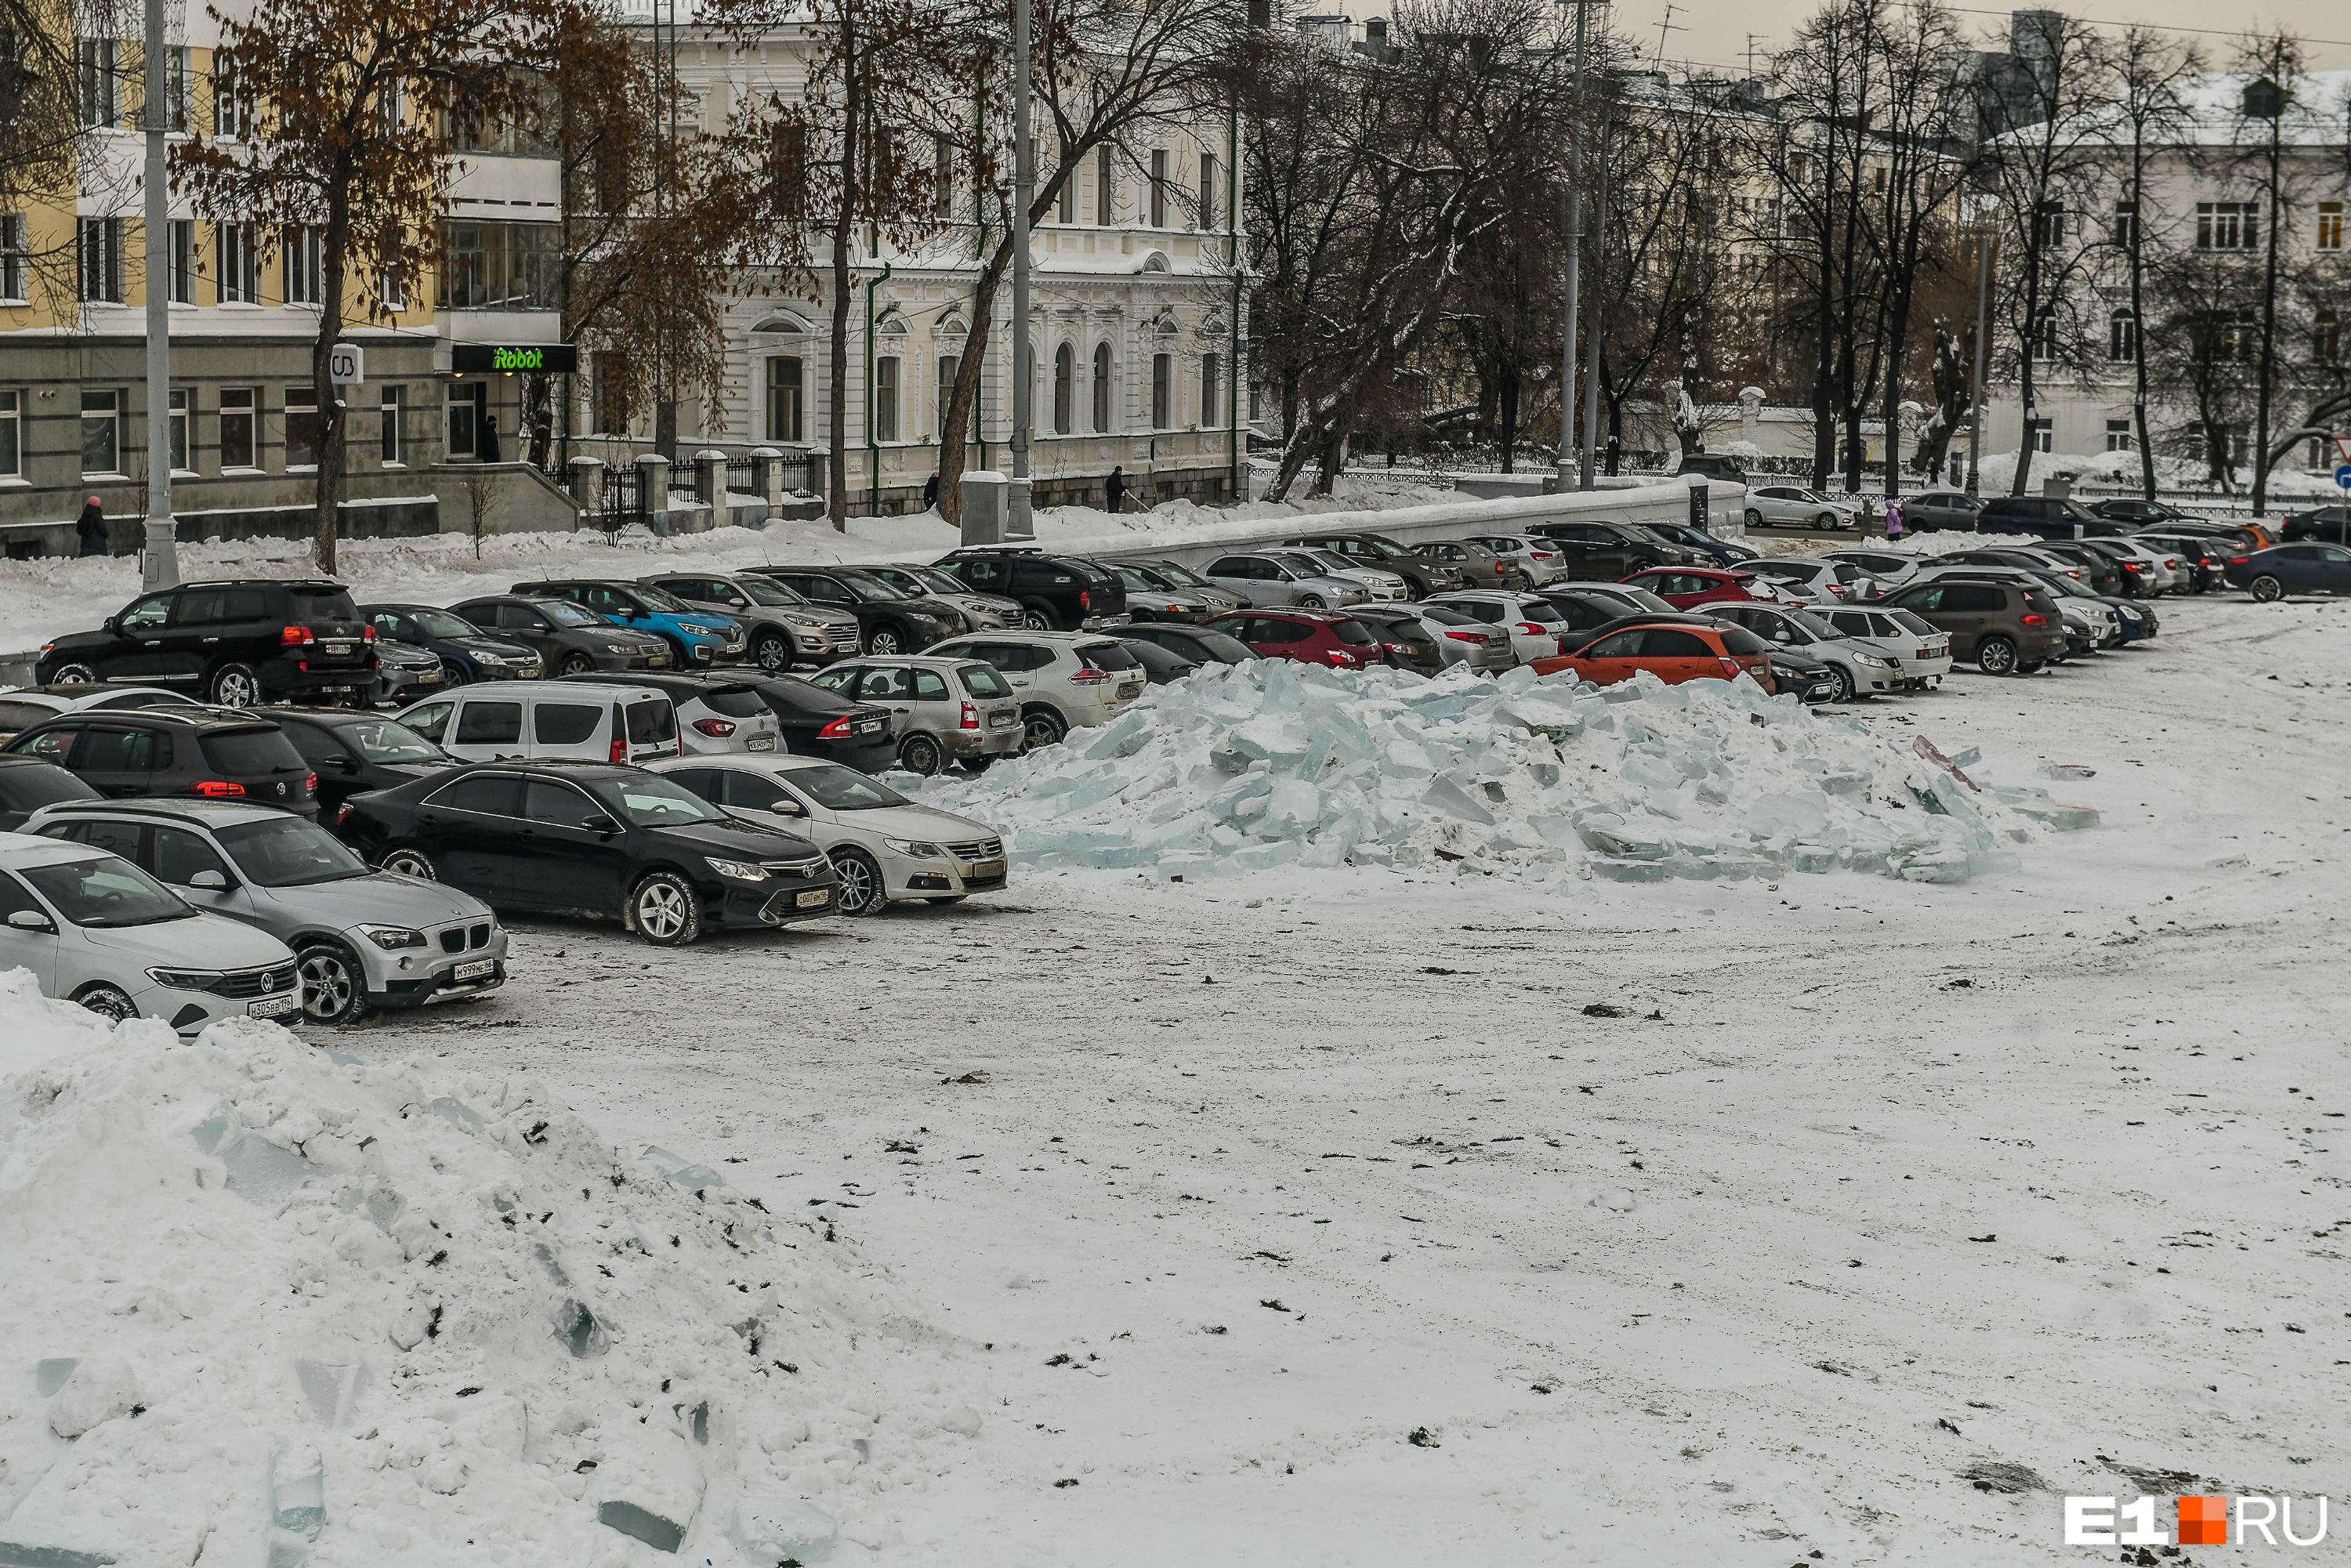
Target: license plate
x=428 y=678
x=766 y=743
x=657 y=662
x=869 y=727
x=982 y=869
x=274 y=1007
x=475 y=970
x=816 y=898
x=338 y=647
x=998 y=720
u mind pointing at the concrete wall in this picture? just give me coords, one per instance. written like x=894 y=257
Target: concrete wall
x=517 y=499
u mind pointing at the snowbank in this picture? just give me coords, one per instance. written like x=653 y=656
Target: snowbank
x=268 y=1304
x=1243 y=767
x=2286 y=484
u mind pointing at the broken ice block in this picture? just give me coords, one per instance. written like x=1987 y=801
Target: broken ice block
x=578 y=1328
x=50 y=1376
x=331 y=1387
x=1812 y=858
x=297 y=1488
x=1610 y=835
x=2065 y=770
x=782 y=1530
x=649 y=1487
x=1966 y=757
x=258 y=1170
x=684 y=1171
x=1628 y=871
x=98 y=1389
x=457 y=1113
x=1443 y=795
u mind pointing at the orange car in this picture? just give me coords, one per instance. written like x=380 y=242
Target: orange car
x=1674 y=648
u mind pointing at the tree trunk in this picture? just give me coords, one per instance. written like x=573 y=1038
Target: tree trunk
x=1506 y=397
x=2262 y=394
x=965 y=394
x=328 y=440
x=2024 y=371
x=844 y=289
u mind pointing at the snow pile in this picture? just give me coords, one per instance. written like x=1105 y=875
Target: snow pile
x=1270 y=763
x=268 y=1304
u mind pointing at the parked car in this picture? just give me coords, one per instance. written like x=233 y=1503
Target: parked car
x=2100 y=572
x=1715 y=466
x=941 y=710
x=2048 y=517
x=1588 y=612
x=2242 y=536
x=1934 y=510
x=2203 y=561
x=1055 y=593
x=697 y=639
x=1480 y=567
x=570 y=639
x=890 y=619
x=1198 y=645
x=350 y=753
x=1635 y=600
x=1794 y=507
x=1385 y=586
x=617 y=722
x=1535 y=561
x=2161 y=572
x=883 y=847
x=1720 y=552
x=1423 y=573
x=1462 y=639
x=784 y=629
x=22 y=708
x=29 y=783
x=94 y=929
x=466 y=652
x=2091 y=624
x=1268 y=581
x=1596 y=550
x=2141 y=514
x=1891 y=567
x=1063 y=680
x=1812 y=681
x=1857 y=667
x=1532 y=623
x=1149 y=598
x=1686 y=588
x=2131 y=574
x=2075 y=566
x=813 y=722
x=2272 y=574
x=403 y=672
x=1816 y=580
x=715 y=712
x=1921 y=652
x=1405 y=642
x=1674 y=648
x=981 y=612
x=202 y=752
x=1160 y=667
x=596 y=839
x=2003 y=629
x=1305 y=636
x=237 y=642
x=1179 y=578
x=363 y=939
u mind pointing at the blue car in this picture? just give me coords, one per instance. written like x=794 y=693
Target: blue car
x=697 y=639
x=2307 y=567
x=467 y=653
x=1726 y=552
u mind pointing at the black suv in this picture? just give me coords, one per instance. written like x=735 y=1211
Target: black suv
x=1423 y=574
x=1056 y=592
x=176 y=751
x=2047 y=517
x=889 y=619
x=1599 y=552
x=237 y=642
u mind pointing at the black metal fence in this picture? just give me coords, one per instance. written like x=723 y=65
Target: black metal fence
x=623 y=500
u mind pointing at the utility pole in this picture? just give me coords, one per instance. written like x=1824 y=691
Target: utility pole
x=1575 y=250
x=1020 y=523
x=161 y=567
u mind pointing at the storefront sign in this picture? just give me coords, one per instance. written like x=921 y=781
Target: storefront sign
x=510 y=359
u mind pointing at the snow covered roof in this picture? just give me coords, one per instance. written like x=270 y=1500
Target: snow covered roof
x=2317 y=110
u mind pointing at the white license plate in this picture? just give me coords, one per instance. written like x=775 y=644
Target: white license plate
x=767 y=744
x=998 y=720
x=274 y=1007
x=981 y=870
x=815 y=898
x=475 y=970
x=871 y=726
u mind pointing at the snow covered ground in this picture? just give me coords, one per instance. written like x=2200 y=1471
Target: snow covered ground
x=1398 y=1215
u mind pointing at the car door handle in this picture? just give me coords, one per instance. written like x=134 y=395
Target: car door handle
x=153 y=643
x=210 y=641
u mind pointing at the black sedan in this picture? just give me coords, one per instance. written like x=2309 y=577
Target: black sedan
x=815 y=721
x=2272 y=574
x=569 y=639
x=353 y=753
x=594 y=839
x=466 y=652
x=890 y=619
x=1159 y=666
x=1581 y=610
x=1195 y=645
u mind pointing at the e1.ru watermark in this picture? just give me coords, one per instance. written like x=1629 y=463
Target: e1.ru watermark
x=2202 y=1521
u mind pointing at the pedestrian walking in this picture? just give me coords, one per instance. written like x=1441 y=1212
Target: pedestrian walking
x=1893 y=518
x=91 y=527
x=931 y=492
x=1114 y=489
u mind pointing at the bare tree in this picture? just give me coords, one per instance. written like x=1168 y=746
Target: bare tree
x=2150 y=116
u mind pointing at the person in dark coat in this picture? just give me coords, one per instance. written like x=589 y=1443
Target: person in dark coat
x=1114 y=490
x=931 y=493
x=489 y=438
x=91 y=527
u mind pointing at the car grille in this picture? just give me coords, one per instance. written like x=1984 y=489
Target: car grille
x=457 y=938
x=979 y=850
x=813 y=866
x=240 y=984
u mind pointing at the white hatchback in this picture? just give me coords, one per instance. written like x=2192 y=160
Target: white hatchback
x=517 y=721
x=1532 y=623
x=1792 y=505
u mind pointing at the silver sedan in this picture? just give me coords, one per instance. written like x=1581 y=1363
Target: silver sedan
x=1274 y=579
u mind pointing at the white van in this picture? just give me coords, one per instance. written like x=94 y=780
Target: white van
x=512 y=721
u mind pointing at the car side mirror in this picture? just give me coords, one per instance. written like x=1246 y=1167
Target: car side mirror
x=29 y=920
x=111 y=624
x=600 y=823
x=210 y=881
x=789 y=808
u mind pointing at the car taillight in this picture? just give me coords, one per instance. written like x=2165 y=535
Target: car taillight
x=1466 y=636
x=1837 y=589
x=215 y=788
x=1529 y=629
x=1088 y=677
x=311 y=784
x=2170 y=565
x=2036 y=620
x=342 y=814
x=294 y=636
x=716 y=728
x=970 y=716
x=2133 y=566
x=1341 y=656
x=367 y=634
x=837 y=730
x=620 y=752
x=1085 y=600
x=1731 y=668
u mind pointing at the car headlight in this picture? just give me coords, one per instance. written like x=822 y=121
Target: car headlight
x=695 y=628
x=740 y=871
x=915 y=848
x=1872 y=662
x=800 y=620
x=622 y=648
x=185 y=979
x=391 y=938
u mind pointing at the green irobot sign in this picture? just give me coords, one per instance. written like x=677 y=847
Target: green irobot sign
x=513 y=358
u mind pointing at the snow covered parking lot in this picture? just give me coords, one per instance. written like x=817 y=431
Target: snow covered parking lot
x=1354 y=1216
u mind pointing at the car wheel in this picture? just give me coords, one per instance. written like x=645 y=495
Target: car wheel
x=665 y=911
x=73 y=676
x=884 y=643
x=861 y=890
x=334 y=987
x=1040 y=727
x=1035 y=620
x=409 y=863
x=920 y=754
x=772 y=653
x=1754 y=518
x=1996 y=656
x=2268 y=589
x=454 y=672
x=1518 y=582
x=234 y=685
x=1309 y=602
x=576 y=665
x=1841 y=683
x=1642 y=566
x=111 y=1003
x=1826 y=520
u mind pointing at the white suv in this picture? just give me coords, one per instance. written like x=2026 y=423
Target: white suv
x=1064 y=680
x=512 y=721
x=1533 y=622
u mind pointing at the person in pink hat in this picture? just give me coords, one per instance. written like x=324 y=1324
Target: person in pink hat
x=91 y=527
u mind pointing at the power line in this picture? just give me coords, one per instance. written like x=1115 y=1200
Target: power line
x=2099 y=22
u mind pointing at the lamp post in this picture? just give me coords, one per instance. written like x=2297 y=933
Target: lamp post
x=160 y=567
x=1980 y=220
x=1019 y=521
x=1574 y=247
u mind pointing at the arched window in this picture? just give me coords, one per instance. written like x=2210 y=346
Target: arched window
x=1065 y=392
x=1102 y=388
x=785 y=388
x=2122 y=338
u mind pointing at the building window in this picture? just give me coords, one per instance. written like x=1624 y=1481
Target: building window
x=1211 y=372
x=240 y=265
x=2227 y=226
x=2122 y=338
x=15 y=257
x=2326 y=338
x=2126 y=231
x=2330 y=226
x=236 y=407
x=232 y=111
x=1105 y=187
x=1163 y=388
x=1159 y=187
x=463 y=406
x=390 y=283
x=2237 y=335
x=2043 y=337
x=394 y=399
x=305 y=278
x=178 y=72
x=301 y=427
x=501 y=266
x=608 y=410
x=184 y=261
x=2043 y=433
x=101 y=260
x=790 y=153
x=101 y=83
x=179 y=429
x=786 y=387
x=1102 y=388
x=885 y=398
x=1065 y=390
x=2118 y=436
x=950 y=366
x=101 y=445
x=2048 y=224
x=1211 y=203
x=11 y=435
x=1065 y=208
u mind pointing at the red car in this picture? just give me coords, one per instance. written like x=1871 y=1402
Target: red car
x=1685 y=587
x=1309 y=636
x=1673 y=648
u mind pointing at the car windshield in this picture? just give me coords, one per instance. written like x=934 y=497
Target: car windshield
x=286 y=851
x=1643 y=599
x=1916 y=624
x=1817 y=625
x=765 y=590
x=244 y=752
x=662 y=599
x=1181 y=576
x=1352 y=632
x=440 y=624
x=872 y=589
x=2060 y=583
x=106 y=892
x=1136 y=578
x=1223 y=646
x=839 y=788
x=387 y=740
x=1800 y=570
x=1643 y=531
x=312 y=604
x=1298 y=561
x=1327 y=561
x=652 y=801
x=1382 y=545
x=564 y=615
x=933 y=580
x=32 y=785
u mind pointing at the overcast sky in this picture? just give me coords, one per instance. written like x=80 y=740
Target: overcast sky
x=1714 y=33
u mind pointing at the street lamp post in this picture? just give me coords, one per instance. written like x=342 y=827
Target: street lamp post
x=162 y=559
x=1574 y=258
x=1976 y=376
x=1018 y=521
